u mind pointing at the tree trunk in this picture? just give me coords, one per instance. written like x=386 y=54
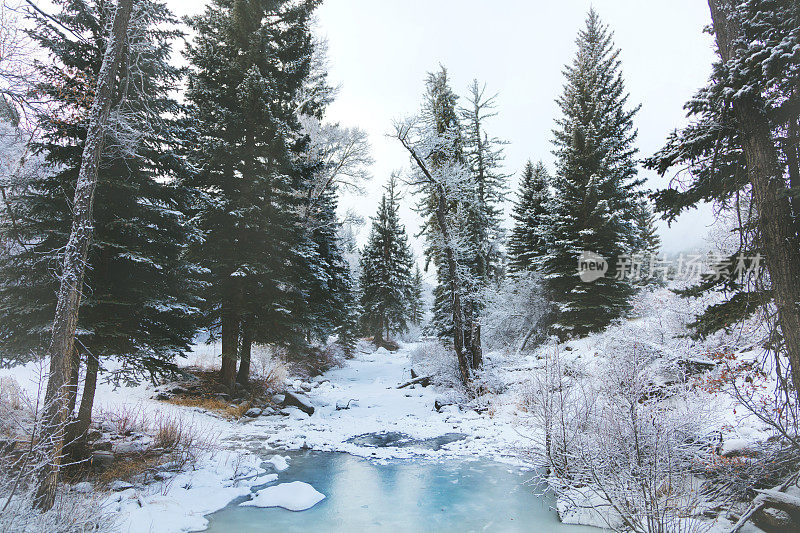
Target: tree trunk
x=452 y=264
x=774 y=210
x=76 y=444
x=230 y=342
x=72 y=391
x=477 y=350
x=75 y=254
x=243 y=377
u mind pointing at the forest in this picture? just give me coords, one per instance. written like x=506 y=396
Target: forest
x=200 y=332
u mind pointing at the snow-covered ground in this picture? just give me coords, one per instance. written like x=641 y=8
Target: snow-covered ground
x=366 y=385
x=362 y=397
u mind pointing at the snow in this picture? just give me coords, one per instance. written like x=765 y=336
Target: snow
x=294 y=496
x=280 y=463
x=248 y=455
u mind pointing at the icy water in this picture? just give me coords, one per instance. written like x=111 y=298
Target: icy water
x=403 y=495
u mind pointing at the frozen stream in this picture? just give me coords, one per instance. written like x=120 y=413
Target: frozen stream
x=402 y=495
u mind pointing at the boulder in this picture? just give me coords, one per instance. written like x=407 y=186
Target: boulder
x=163 y=396
x=253 y=412
x=278 y=399
x=772 y=519
x=441 y=402
x=298 y=400
x=84 y=487
x=119 y=486
x=102 y=445
x=102 y=459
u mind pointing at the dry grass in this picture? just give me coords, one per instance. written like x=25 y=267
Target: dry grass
x=212 y=404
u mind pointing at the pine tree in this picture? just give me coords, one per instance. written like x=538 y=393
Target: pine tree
x=526 y=244
x=648 y=244
x=250 y=62
x=484 y=156
x=742 y=151
x=139 y=301
x=386 y=282
x=416 y=308
x=595 y=199
x=140 y=296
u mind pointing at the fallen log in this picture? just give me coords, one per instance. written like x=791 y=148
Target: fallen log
x=422 y=380
x=760 y=502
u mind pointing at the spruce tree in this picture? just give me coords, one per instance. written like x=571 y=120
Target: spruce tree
x=416 y=308
x=140 y=298
x=756 y=75
x=595 y=187
x=250 y=61
x=526 y=244
x=386 y=282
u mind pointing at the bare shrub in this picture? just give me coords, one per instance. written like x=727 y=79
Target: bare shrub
x=432 y=358
x=619 y=448
x=22 y=458
x=514 y=313
x=268 y=366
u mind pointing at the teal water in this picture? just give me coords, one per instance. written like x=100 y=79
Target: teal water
x=404 y=495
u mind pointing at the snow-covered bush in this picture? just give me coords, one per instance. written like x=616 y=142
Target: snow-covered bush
x=434 y=359
x=620 y=442
x=514 y=312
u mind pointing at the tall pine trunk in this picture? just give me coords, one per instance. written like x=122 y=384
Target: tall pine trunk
x=454 y=279
x=775 y=221
x=230 y=341
x=243 y=376
x=69 y=294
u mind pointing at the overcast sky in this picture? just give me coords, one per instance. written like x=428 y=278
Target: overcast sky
x=381 y=50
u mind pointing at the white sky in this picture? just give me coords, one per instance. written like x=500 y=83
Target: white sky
x=381 y=50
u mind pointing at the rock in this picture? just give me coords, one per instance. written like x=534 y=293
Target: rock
x=93 y=435
x=772 y=519
x=102 y=445
x=285 y=412
x=341 y=405
x=119 y=486
x=278 y=399
x=253 y=412
x=178 y=390
x=267 y=411
x=129 y=447
x=441 y=402
x=223 y=397
x=163 y=396
x=299 y=401
x=102 y=459
x=84 y=487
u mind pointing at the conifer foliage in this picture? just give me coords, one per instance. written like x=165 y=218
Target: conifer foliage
x=526 y=244
x=250 y=64
x=387 y=286
x=595 y=198
x=141 y=296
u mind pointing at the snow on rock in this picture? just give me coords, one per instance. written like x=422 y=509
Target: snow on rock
x=279 y=462
x=294 y=496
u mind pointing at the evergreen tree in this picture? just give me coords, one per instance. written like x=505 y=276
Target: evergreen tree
x=757 y=74
x=386 y=282
x=648 y=244
x=139 y=295
x=526 y=244
x=250 y=62
x=595 y=198
x=416 y=308
x=484 y=156
x=140 y=299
